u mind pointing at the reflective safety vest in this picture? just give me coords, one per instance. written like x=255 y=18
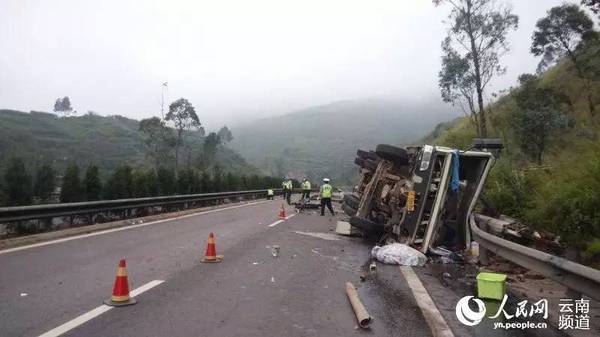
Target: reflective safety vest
x=287 y=185
x=306 y=185
x=326 y=191
x=269 y=192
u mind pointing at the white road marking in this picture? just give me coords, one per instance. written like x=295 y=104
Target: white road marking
x=79 y=320
x=437 y=324
x=40 y=244
x=282 y=220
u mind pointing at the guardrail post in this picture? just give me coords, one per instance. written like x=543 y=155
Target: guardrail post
x=483 y=252
x=573 y=255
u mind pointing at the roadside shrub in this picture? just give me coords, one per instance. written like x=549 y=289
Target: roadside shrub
x=511 y=190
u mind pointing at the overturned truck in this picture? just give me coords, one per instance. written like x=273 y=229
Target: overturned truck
x=421 y=196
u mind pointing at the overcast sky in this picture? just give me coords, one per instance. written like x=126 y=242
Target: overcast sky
x=234 y=60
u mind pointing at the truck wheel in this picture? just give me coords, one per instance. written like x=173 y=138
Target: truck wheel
x=370 y=165
x=365 y=225
x=396 y=155
x=352 y=200
x=348 y=210
x=362 y=154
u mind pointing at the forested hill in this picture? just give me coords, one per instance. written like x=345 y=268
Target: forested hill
x=322 y=140
x=108 y=142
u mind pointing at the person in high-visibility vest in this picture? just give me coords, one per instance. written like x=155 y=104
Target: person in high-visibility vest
x=287 y=190
x=270 y=194
x=325 y=193
x=306 y=189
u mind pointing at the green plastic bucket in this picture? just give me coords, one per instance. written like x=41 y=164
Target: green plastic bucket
x=491 y=285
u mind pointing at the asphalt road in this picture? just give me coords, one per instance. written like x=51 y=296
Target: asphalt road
x=251 y=293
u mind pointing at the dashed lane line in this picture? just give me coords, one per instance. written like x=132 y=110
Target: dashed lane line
x=40 y=244
x=437 y=324
x=282 y=220
x=79 y=320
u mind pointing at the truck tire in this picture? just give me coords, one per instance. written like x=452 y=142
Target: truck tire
x=396 y=155
x=366 y=225
x=351 y=200
x=370 y=165
x=362 y=154
x=349 y=210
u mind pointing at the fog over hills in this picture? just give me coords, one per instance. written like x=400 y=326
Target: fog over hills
x=322 y=140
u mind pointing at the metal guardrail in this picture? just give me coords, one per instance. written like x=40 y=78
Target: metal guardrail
x=19 y=213
x=573 y=275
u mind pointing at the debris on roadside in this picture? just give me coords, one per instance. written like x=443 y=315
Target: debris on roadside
x=373 y=266
x=275 y=251
x=362 y=316
x=344 y=228
x=397 y=253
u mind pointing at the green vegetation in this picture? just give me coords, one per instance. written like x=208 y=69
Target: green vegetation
x=123 y=158
x=549 y=172
x=321 y=141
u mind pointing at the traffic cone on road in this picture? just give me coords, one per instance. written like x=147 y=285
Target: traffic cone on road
x=211 y=251
x=282 y=213
x=120 y=294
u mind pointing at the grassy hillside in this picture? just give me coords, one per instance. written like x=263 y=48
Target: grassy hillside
x=107 y=142
x=322 y=141
x=563 y=193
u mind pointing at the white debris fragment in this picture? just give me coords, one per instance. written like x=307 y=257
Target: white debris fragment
x=255 y=263
x=272 y=279
x=397 y=253
x=23 y=294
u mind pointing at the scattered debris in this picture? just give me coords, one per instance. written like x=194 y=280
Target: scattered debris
x=397 y=253
x=363 y=317
x=363 y=277
x=324 y=236
x=275 y=251
x=344 y=228
x=372 y=266
x=23 y=294
x=255 y=263
x=272 y=279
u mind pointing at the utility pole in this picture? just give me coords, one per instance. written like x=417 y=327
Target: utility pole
x=162 y=99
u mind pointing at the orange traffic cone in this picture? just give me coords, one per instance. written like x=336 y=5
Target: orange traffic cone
x=211 y=251
x=120 y=294
x=282 y=213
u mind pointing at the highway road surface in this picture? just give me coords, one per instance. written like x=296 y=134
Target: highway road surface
x=58 y=289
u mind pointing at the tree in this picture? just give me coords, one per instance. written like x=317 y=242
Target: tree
x=205 y=182
x=17 y=184
x=44 y=182
x=159 y=139
x=92 y=184
x=225 y=134
x=478 y=28
x=560 y=34
x=120 y=184
x=63 y=106
x=71 y=190
x=166 y=181
x=183 y=116
x=540 y=111
x=211 y=142
x=593 y=5
x=456 y=82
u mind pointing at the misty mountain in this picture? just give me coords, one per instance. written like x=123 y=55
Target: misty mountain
x=322 y=140
x=40 y=137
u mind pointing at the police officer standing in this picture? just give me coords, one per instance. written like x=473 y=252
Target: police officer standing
x=287 y=190
x=305 y=189
x=325 y=193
